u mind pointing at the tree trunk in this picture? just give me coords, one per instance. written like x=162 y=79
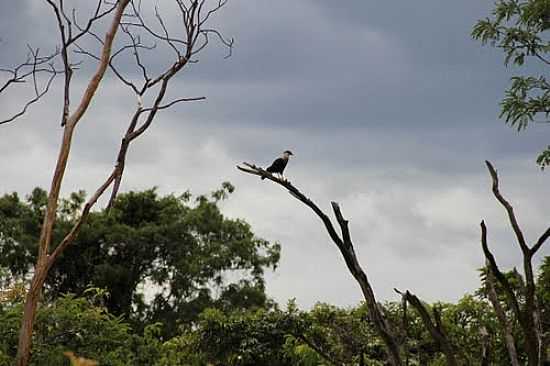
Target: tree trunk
x=45 y=261
x=501 y=316
x=29 y=314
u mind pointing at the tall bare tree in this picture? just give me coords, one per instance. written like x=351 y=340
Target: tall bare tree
x=186 y=39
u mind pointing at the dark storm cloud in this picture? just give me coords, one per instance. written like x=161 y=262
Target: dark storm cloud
x=327 y=70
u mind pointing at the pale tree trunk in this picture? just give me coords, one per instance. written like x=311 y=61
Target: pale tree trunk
x=44 y=261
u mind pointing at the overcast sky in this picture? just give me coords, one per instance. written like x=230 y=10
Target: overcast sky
x=389 y=106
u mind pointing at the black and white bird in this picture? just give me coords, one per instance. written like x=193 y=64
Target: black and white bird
x=279 y=165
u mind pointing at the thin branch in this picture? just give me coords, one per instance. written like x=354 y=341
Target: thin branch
x=221 y=3
x=68 y=71
x=97 y=16
x=493 y=267
x=228 y=43
x=70 y=237
x=37 y=97
x=179 y=100
x=509 y=209
x=32 y=67
x=166 y=35
x=541 y=241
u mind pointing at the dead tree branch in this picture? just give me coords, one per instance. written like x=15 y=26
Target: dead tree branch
x=345 y=245
x=501 y=316
x=528 y=315
x=434 y=326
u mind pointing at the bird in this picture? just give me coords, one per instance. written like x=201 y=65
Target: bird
x=279 y=165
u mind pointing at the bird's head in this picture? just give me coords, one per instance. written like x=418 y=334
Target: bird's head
x=287 y=153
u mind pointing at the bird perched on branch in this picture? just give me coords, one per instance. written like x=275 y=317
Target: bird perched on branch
x=279 y=165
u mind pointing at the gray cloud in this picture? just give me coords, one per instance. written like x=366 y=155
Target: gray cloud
x=390 y=108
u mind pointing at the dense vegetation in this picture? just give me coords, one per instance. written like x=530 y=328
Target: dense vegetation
x=95 y=305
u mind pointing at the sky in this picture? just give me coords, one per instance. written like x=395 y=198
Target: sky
x=390 y=108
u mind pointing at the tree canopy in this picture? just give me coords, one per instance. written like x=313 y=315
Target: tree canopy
x=520 y=28
x=160 y=258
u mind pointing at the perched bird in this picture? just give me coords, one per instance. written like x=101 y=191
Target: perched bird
x=279 y=164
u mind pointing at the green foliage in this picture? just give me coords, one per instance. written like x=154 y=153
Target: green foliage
x=520 y=28
x=244 y=338
x=186 y=246
x=19 y=231
x=69 y=324
x=183 y=249
x=543 y=292
x=325 y=335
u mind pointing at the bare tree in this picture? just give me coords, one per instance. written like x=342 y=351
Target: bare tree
x=345 y=245
x=526 y=312
x=126 y=16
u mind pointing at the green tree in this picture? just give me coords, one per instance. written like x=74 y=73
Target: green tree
x=182 y=248
x=80 y=325
x=520 y=28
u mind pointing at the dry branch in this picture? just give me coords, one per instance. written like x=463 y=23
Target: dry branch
x=501 y=316
x=345 y=245
x=528 y=315
x=434 y=326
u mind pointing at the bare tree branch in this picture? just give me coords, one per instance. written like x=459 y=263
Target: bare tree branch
x=345 y=245
x=435 y=326
x=508 y=207
x=493 y=267
x=540 y=242
x=529 y=315
x=34 y=66
x=501 y=316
